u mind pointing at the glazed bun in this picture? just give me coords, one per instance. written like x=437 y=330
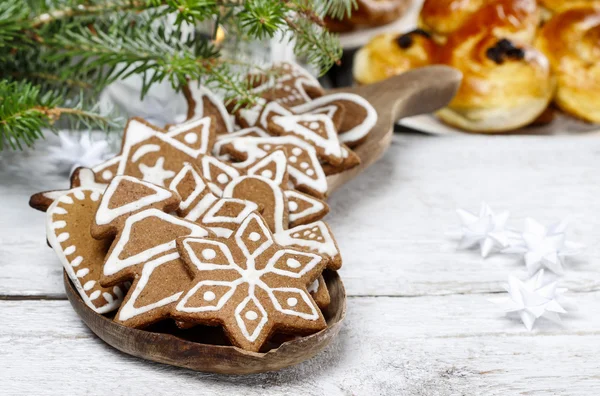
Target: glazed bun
x=370 y=13
x=505 y=85
x=556 y=6
x=390 y=54
x=571 y=41
x=443 y=17
x=515 y=19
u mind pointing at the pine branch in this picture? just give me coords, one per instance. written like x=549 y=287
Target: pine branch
x=55 y=53
x=25 y=111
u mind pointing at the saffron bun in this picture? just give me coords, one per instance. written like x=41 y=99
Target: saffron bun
x=556 y=6
x=571 y=41
x=370 y=13
x=514 y=19
x=506 y=85
x=389 y=54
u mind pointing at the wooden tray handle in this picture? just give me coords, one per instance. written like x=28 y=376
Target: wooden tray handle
x=415 y=92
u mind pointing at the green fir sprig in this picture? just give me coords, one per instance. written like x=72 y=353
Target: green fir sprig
x=57 y=55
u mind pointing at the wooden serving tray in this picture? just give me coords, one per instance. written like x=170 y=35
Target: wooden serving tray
x=412 y=93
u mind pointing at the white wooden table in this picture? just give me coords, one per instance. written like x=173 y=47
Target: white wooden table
x=419 y=322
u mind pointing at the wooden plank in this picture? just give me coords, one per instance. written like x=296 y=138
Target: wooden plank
x=447 y=345
x=391 y=221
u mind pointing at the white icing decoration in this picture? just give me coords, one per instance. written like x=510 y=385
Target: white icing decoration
x=96 y=294
x=89 y=285
x=254 y=236
x=250 y=308
x=292 y=237
x=251 y=315
x=276 y=158
x=315 y=205
x=70 y=250
x=329 y=143
x=78 y=194
x=209 y=163
x=82 y=272
x=102 y=169
x=207 y=201
x=190 y=138
x=271 y=107
x=156 y=174
x=143 y=150
x=247 y=132
x=211 y=215
x=358 y=132
x=209 y=254
x=292 y=301
x=59 y=224
x=250 y=145
x=128 y=310
x=200 y=185
x=66 y=199
x=222 y=178
x=76 y=261
x=292 y=206
x=209 y=296
x=314 y=287
x=292 y=263
x=278 y=208
x=104 y=215
x=63 y=237
x=115 y=264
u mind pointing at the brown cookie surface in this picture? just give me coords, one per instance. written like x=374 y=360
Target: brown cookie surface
x=68 y=232
x=250 y=285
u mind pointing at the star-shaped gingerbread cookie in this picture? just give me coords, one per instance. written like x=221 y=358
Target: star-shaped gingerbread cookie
x=250 y=285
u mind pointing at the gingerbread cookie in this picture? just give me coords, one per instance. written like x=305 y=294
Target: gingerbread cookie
x=264 y=185
x=349 y=160
x=68 y=232
x=218 y=174
x=335 y=111
x=204 y=103
x=196 y=195
x=291 y=85
x=315 y=237
x=145 y=253
x=250 y=285
x=318 y=291
x=155 y=155
x=359 y=119
x=304 y=167
x=225 y=139
x=125 y=196
x=303 y=208
x=81 y=177
x=199 y=204
x=316 y=129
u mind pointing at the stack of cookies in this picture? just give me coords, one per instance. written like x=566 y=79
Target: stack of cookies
x=216 y=221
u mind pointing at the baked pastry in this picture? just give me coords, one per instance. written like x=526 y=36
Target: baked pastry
x=369 y=13
x=571 y=41
x=505 y=85
x=556 y=6
x=390 y=54
x=515 y=19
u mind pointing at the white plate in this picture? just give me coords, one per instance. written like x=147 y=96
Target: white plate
x=406 y=23
x=562 y=125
